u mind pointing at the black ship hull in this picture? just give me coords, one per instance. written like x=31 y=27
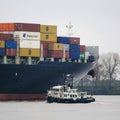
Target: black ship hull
x=32 y=81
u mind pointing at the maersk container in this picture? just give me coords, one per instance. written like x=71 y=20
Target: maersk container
x=55 y=46
x=48 y=29
x=5 y=36
x=11 y=44
x=30 y=44
x=10 y=52
x=74 y=40
x=48 y=37
x=23 y=35
x=2 y=44
x=64 y=40
x=30 y=27
x=29 y=52
x=2 y=51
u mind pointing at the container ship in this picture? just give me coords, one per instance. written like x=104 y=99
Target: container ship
x=34 y=58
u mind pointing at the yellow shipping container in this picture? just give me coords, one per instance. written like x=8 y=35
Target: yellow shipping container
x=48 y=37
x=55 y=46
x=48 y=29
x=2 y=44
x=29 y=52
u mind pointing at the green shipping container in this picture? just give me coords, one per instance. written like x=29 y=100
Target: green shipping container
x=82 y=55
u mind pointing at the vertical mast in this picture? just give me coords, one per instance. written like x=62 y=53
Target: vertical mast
x=18 y=45
x=69 y=29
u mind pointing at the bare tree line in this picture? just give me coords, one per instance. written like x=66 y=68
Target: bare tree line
x=107 y=80
x=108 y=68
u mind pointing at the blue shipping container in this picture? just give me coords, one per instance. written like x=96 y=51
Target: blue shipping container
x=2 y=51
x=74 y=47
x=74 y=51
x=11 y=44
x=64 y=40
x=91 y=58
x=74 y=55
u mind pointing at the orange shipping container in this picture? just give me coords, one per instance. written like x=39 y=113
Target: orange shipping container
x=6 y=27
x=28 y=52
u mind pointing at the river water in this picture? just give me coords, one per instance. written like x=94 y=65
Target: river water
x=104 y=108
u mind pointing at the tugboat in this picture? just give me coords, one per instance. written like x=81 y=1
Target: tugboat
x=67 y=94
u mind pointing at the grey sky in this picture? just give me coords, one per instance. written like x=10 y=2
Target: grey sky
x=96 y=22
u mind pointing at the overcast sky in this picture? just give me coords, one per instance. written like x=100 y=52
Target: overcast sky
x=96 y=22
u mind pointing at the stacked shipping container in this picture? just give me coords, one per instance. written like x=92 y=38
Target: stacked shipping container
x=72 y=46
x=2 y=48
x=28 y=36
x=10 y=48
x=29 y=39
x=48 y=35
x=55 y=50
x=32 y=36
x=82 y=52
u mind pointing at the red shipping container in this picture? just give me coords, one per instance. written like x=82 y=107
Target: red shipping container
x=67 y=54
x=45 y=48
x=45 y=53
x=56 y=53
x=45 y=44
x=4 y=36
x=74 y=40
x=11 y=52
x=82 y=48
x=27 y=27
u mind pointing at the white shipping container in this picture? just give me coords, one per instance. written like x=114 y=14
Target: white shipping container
x=67 y=47
x=23 y=35
x=87 y=54
x=30 y=44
